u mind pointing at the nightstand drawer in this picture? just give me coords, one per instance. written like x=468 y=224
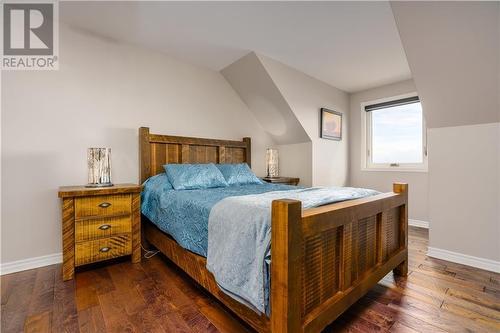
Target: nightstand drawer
x=99 y=224
x=102 y=249
x=102 y=205
x=99 y=228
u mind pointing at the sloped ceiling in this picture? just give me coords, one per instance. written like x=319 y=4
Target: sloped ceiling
x=453 y=51
x=350 y=45
x=252 y=82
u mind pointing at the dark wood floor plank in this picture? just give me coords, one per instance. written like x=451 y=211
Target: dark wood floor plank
x=115 y=317
x=377 y=318
x=401 y=328
x=435 y=316
x=482 y=310
x=450 y=277
x=360 y=323
x=211 y=309
x=492 y=291
x=161 y=299
x=101 y=280
x=39 y=323
x=42 y=297
x=64 y=313
x=430 y=297
x=401 y=317
x=156 y=296
x=428 y=312
x=186 y=305
x=86 y=291
x=431 y=283
x=126 y=289
x=6 y=288
x=91 y=320
x=15 y=311
x=495 y=279
x=476 y=297
x=480 y=319
x=144 y=321
x=489 y=280
x=161 y=308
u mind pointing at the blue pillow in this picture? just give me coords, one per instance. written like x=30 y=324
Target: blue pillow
x=158 y=181
x=238 y=174
x=194 y=176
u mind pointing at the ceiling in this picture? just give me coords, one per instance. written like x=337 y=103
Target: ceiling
x=352 y=46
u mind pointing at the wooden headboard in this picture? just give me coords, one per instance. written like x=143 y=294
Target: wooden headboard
x=156 y=150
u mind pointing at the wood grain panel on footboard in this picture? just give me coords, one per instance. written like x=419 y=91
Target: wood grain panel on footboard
x=344 y=249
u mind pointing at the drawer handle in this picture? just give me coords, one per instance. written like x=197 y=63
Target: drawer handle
x=104 y=205
x=104 y=249
x=104 y=227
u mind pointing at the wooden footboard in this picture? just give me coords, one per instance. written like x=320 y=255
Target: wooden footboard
x=324 y=259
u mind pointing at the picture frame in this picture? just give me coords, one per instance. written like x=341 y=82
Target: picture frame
x=330 y=124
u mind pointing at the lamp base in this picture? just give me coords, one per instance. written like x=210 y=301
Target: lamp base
x=100 y=185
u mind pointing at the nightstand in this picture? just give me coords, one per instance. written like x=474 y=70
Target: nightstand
x=99 y=224
x=282 y=180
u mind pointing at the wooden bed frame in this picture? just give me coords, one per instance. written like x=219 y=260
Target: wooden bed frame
x=323 y=259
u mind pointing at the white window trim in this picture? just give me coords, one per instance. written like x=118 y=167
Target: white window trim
x=366 y=164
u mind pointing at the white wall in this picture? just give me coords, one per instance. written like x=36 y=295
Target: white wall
x=252 y=82
x=306 y=96
x=464 y=191
x=103 y=92
x=295 y=160
x=382 y=180
x=453 y=51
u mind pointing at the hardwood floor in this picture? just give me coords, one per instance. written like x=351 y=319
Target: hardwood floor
x=154 y=296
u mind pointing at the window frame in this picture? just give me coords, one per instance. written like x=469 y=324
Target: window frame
x=366 y=141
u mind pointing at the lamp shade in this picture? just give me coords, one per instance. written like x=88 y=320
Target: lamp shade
x=99 y=165
x=272 y=162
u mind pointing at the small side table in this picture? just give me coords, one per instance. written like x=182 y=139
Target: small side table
x=282 y=180
x=99 y=224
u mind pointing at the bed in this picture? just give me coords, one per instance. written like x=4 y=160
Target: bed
x=323 y=259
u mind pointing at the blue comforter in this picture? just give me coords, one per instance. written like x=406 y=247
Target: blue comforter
x=183 y=214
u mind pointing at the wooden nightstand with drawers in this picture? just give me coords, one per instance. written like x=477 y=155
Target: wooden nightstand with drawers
x=99 y=224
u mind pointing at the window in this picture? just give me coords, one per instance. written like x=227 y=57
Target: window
x=395 y=135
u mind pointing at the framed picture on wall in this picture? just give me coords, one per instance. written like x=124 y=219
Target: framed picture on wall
x=331 y=124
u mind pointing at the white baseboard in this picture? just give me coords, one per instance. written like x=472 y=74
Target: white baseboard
x=30 y=263
x=464 y=259
x=418 y=223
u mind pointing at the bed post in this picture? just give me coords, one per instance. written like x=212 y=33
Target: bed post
x=144 y=171
x=144 y=154
x=285 y=266
x=402 y=188
x=248 y=151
